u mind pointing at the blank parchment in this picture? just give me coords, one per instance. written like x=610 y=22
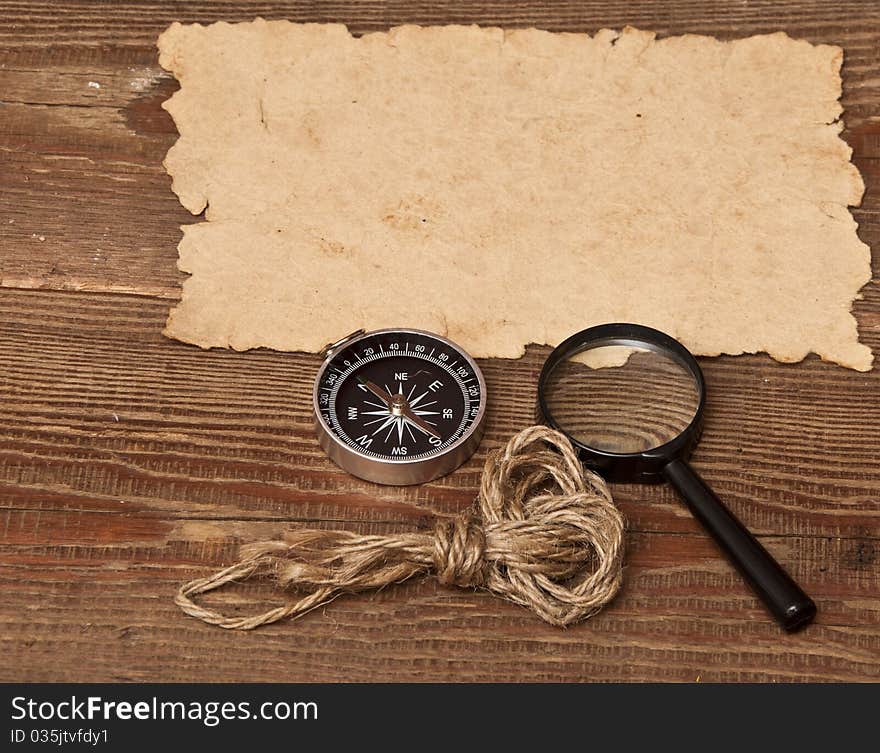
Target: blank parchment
x=513 y=187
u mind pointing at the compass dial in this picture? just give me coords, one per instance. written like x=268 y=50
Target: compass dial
x=399 y=406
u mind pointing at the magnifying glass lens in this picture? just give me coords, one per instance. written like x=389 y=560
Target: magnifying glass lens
x=621 y=398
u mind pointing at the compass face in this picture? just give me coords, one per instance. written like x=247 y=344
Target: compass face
x=397 y=397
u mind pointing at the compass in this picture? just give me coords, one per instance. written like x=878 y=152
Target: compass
x=398 y=406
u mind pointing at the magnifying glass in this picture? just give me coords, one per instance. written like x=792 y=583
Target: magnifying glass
x=631 y=399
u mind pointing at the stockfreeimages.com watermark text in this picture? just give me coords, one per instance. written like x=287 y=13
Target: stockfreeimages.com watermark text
x=209 y=713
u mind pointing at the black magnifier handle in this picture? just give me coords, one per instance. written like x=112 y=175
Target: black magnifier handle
x=783 y=597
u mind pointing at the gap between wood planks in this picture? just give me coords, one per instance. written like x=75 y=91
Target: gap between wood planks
x=399 y=523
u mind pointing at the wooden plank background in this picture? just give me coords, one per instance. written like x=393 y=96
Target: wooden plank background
x=130 y=463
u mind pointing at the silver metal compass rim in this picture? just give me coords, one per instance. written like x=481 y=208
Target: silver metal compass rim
x=397 y=472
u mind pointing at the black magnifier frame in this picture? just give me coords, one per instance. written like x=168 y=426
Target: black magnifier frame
x=637 y=467
x=788 y=603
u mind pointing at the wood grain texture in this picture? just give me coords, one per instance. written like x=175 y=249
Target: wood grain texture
x=130 y=463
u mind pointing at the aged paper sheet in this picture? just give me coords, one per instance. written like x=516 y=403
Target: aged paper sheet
x=512 y=187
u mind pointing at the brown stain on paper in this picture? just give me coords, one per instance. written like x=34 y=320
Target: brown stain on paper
x=413 y=213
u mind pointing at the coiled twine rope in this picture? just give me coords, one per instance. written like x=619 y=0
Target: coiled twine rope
x=546 y=534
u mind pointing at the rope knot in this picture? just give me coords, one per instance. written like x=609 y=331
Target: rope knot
x=459 y=547
x=545 y=534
